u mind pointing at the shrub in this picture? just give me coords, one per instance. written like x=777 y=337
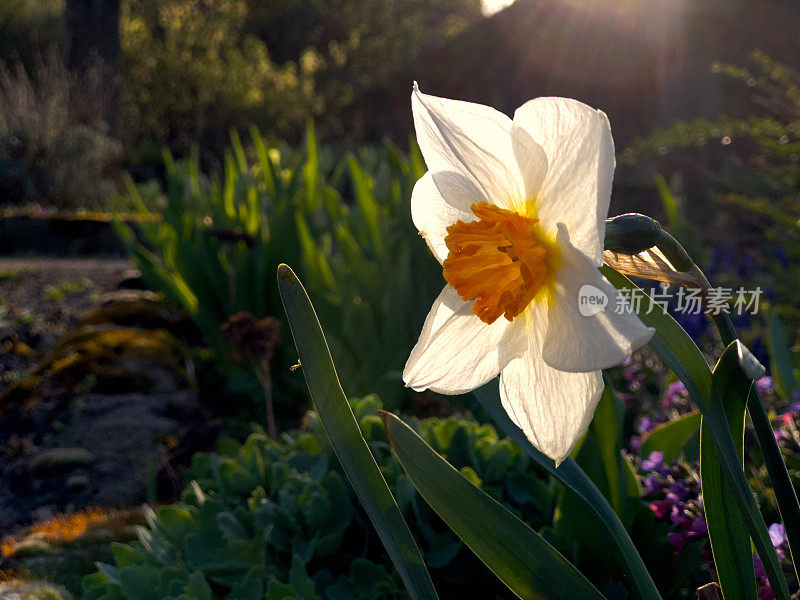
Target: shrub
x=53 y=148
x=191 y=75
x=345 y=226
x=749 y=164
x=278 y=517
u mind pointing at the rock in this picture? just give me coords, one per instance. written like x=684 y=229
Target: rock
x=55 y=461
x=109 y=453
x=76 y=483
x=105 y=359
x=132 y=280
x=32 y=590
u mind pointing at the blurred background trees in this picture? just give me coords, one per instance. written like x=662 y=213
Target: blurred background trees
x=138 y=75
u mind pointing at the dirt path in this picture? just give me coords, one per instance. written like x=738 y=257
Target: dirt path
x=39 y=282
x=42 y=298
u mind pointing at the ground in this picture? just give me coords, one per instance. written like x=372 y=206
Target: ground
x=95 y=398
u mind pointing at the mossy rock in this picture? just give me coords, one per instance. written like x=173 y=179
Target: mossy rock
x=56 y=461
x=137 y=308
x=102 y=359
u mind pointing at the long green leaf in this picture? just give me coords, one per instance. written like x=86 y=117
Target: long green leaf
x=785 y=494
x=345 y=437
x=672 y=437
x=682 y=355
x=780 y=356
x=607 y=425
x=730 y=542
x=570 y=475
x=520 y=557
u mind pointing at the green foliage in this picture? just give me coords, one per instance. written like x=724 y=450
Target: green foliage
x=28 y=27
x=750 y=163
x=345 y=227
x=191 y=74
x=520 y=557
x=346 y=440
x=775 y=134
x=269 y=516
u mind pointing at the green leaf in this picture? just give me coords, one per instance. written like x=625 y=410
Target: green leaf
x=730 y=542
x=570 y=475
x=346 y=439
x=607 y=425
x=672 y=437
x=139 y=582
x=785 y=494
x=311 y=174
x=780 y=356
x=365 y=198
x=520 y=557
x=682 y=355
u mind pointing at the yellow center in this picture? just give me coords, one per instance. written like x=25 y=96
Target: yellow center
x=502 y=261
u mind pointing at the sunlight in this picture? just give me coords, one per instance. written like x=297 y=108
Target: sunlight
x=492 y=6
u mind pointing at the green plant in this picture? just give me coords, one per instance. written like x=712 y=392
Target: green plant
x=59 y=292
x=192 y=72
x=750 y=165
x=215 y=247
x=278 y=515
x=522 y=558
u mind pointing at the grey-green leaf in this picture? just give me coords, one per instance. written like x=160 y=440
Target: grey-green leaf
x=730 y=542
x=682 y=355
x=342 y=429
x=570 y=475
x=520 y=557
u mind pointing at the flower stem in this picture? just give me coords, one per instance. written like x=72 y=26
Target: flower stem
x=262 y=372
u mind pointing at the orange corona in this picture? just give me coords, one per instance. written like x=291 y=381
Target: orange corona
x=500 y=260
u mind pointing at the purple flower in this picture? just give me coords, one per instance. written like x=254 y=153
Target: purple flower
x=764 y=384
x=661 y=508
x=759 y=567
x=633 y=376
x=765 y=592
x=678 y=540
x=655 y=462
x=795 y=400
x=777 y=534
x=698 y=527
x=653 y=484
x=782 y=257
x=678 y=492
x=679 y=517
x=675 y=392
x=646 y=424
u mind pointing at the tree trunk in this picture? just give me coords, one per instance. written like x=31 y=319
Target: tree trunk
x=92 y=43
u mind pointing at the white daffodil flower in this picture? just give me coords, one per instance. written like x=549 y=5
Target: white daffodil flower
x=515 y=212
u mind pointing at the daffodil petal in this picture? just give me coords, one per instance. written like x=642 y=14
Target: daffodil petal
x=470 y=139
x=553 y=408
x=580 y=153
x=456 y=351
x=590 y=326
x=531 y=159
x=439 y=200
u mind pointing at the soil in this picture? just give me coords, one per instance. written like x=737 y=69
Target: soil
x=43 y=298
x=115 y=440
